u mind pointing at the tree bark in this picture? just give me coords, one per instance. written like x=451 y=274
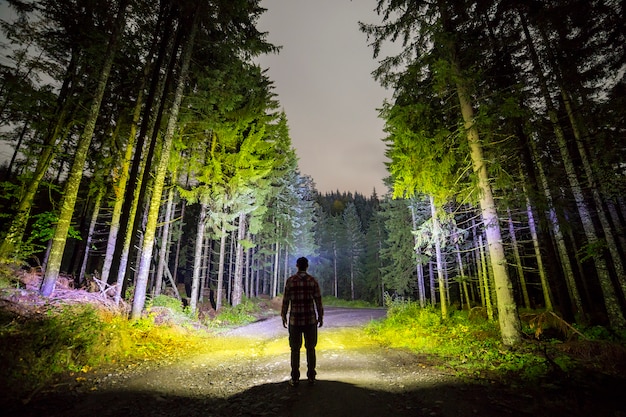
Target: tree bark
x=155 y=202
x=518 y=261
x=443 y=299
x=197 y=258
x=92 y=227
x=566 y=264
x=220 y=269
x=238 y=275
x=165 y=237
x=614 y=313
x=76 y=172
x=510 y=326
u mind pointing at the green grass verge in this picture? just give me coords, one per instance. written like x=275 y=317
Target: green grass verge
x=77 y=338
x=469 y=347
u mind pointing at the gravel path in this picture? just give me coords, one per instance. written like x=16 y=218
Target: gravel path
x=249 y=377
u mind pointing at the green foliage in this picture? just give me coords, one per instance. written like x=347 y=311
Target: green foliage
x=67 y=340
x=76 y=338
x=601 y=333
x=172 y=303
x=236 y=316
x=7 y=276
x=471 y=347
x=8 y=192
x=42 y=231
x=330 y=301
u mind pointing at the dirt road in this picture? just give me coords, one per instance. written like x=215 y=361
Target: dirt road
x=248 y=374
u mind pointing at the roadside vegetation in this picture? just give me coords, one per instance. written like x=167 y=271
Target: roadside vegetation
x=43 y=343
x=470 y=345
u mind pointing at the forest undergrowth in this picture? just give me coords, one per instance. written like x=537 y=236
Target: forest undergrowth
x=43 y=340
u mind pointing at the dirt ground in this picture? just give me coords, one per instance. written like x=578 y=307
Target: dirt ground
x=366 y=382
x=362 y=379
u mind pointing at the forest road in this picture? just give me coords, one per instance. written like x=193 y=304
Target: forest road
x=248 y=375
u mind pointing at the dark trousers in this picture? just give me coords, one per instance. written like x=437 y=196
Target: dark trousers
x=295 y=343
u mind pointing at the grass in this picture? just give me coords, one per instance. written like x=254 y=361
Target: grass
x=244 y=313
x=330 y=301
x=470 y=346
x=78 y=338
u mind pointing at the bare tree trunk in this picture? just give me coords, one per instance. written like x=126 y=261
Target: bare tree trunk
x=566 y=264
x=620 y=273
x=197 y=258
x=433 y=287
x=76 y=172
x=545 y=286
x=92 y=227
x=15 y=234
x=238 y=275
x=119 y=189
x=165 y=237
x=611 y=303
x=436 y=237
x=335 y=276
x=421 y=289
x=178 y=241
x=148 y=242
x=518 y=261
x=220 y=269
x=486 y=282
x=510 y=326
x=275 y=270
x=463 y=276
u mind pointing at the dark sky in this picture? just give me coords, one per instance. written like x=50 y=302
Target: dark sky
x=323 y=80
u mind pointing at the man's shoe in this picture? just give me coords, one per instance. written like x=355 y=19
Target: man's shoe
x=311 y=381
x=294 y=383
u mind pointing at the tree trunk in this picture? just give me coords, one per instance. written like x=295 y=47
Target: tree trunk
x=463 y=277
x=165 y=237
x=119 y=189
x=440 y=280
x=275 y=270
x=197 y=258
x=92 y=226
x=545 y=286
x=220 y=269
x=15 y=234
x=566 y=264
x=485 y=284
x=510 y=326
x=76 y=172
x=152 y=114
x=611 y=243
x=335 y=276
x=155 y=202
x=614 y=313
x=238 y=275
x=421 y=289
x=518 y=261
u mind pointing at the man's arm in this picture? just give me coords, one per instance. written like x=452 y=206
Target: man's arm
x=285 y=306
x=320 y=311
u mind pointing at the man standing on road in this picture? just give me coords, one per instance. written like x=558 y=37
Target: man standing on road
x=303 y=293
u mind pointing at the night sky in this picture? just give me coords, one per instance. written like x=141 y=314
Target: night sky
x=323 y=80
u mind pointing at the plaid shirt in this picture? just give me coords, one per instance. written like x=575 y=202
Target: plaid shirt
x=303 y=292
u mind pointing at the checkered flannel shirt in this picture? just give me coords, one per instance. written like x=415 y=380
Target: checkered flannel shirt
x=303 y=293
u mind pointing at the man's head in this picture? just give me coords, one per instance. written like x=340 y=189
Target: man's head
x=302 y=264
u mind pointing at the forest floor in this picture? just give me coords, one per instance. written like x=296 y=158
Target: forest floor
x=355 y=378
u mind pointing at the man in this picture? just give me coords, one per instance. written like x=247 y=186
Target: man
x=302 y=293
